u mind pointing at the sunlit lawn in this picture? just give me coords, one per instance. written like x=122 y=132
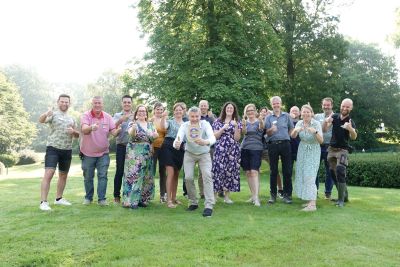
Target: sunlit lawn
x=364 y=233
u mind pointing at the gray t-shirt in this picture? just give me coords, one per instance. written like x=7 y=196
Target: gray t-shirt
x=284 y=124
x=320 y=117
x=253 y=137
x=123 y=136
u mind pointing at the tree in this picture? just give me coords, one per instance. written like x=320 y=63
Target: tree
x=36 y=98
x=209 y=49
x=314 y=50
x=396 y=35
x=370 y=79
x=16 y=132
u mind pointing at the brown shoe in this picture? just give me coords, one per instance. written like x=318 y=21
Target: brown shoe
x=117 y=200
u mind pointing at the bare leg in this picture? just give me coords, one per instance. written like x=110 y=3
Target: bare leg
x=62 y=181
x=45 y=185
x=170 y=177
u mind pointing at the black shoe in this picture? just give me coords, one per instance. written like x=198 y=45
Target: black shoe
x=280 y=193
x=272 y=199
x=339 y=204
x=287 y=200
x=221 y=194
x=142 y=205
x=134 y=206
x=202 y=196
x=207 y=212
x=192 y=208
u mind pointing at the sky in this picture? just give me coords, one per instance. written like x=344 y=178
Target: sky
x=77 y=40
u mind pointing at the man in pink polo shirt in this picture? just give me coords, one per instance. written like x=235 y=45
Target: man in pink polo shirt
x=96 y=125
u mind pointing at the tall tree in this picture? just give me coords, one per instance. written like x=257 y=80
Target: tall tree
x=314 y=50
x=209 y=49
x=370 y=79
x=16 y=132
x=396 y=35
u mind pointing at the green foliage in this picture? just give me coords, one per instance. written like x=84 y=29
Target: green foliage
x=314 y=50
x=370 y=79
x=16 y=132
x=381 y=170
x=216 y=50
x=396 y=35
x=27 y=156
x=8 y=160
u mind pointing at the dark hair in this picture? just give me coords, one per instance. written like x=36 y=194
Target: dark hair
x=235 y=115
x=156 y=105
x=264 y=108
x=126 y=96
x=136 y=111
x=63 y=95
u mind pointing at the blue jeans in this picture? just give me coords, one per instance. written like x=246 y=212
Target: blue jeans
x=328 y=178
x=89 y=164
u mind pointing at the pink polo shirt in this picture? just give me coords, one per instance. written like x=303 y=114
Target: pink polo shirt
x=96 y=143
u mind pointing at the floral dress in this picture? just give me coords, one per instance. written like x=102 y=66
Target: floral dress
x=138 y=183
x=226 y=160
x=307 y=164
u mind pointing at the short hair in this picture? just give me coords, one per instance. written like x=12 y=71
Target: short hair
x=329 y=99
x=266 y=109
x=127 y=96
x=308 y=106
x=194 y=109
x=179 y=104
x=348 y=100
x=63 y=95
x=296 y=107
x=203 y=100
x=275 y=98
x=157 y=104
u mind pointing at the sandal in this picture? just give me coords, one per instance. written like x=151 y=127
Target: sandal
x=177 y=202
x=171 y=205
x=310 y=208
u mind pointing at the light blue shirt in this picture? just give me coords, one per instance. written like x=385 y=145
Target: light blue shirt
x=320 y=117
x=284 y=124
x=123 y=136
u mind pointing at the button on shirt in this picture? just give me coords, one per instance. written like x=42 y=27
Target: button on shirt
x=96 y=144
x=59 y=137
x=284 y=124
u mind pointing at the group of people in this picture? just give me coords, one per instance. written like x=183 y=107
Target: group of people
x=218 y=145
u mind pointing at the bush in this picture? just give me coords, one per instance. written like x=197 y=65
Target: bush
x=374 y=170
x=27 y=156
x=8 y=160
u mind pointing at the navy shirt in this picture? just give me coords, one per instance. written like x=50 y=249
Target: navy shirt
x=340 y=136
x=284 y=124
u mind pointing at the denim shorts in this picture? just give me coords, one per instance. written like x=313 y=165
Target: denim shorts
x=56 y=156
x=250 y=159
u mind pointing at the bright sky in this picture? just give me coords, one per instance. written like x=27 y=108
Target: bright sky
x=77 y=40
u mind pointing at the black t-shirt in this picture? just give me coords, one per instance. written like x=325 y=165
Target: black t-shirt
x=340 y=136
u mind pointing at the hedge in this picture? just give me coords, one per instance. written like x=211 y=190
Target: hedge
x=372 y=170
x=8 y=160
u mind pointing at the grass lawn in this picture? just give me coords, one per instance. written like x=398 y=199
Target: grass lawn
x=364 y=233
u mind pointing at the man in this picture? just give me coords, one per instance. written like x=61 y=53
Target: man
x=96 y=126
x=327 y=107
x=198 y=136
x=58 y=150
x=121 y=119
x=343 y=129
x=279 y=126
x=206 y=115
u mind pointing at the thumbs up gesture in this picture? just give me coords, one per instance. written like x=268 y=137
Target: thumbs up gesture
x=347 y=125
x=177 y=143
x=49 y=112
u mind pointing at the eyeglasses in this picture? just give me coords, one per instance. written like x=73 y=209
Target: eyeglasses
x=250 y=110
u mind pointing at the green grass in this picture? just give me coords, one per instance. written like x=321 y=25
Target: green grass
x=364 y=233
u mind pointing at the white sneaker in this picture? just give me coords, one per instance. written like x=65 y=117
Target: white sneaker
x=228 y=201
x=257 y=203
x=44 y=206
x=250 y=200
x=103 y=203
x=86 y=202
x=62 y=202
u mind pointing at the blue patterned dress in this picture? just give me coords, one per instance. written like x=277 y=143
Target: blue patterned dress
x=226 y=160
x=138 y=182
x=307 y=164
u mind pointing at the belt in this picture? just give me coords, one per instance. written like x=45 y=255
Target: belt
x=278 y=142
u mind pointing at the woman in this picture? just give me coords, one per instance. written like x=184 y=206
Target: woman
x=138 y=184
x=157 y=117
x=252 y=149
x=172 y=158
x=264 y=112
x=226 y=161
x=308 y=157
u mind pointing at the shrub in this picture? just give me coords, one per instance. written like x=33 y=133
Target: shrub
x=27 y=156
x=8 y=160
x=375 y=170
